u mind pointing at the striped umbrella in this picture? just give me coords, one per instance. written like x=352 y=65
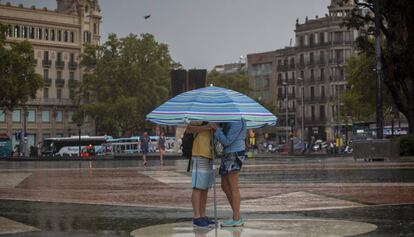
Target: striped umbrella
x=213 y=104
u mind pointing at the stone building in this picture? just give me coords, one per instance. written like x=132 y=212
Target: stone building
x=313 y=66
x=58 y=37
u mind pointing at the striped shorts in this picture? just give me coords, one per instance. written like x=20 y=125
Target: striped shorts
x=202 y=173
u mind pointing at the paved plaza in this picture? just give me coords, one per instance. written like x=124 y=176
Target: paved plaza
x=281 y=196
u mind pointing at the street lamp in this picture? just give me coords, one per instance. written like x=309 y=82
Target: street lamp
x=79 y=131
x=286 y=111
x=303 y=108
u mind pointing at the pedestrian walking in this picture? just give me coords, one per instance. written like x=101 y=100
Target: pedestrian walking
x=232 y=137
x=144 y=140
x=161 y=147
x=202 y=172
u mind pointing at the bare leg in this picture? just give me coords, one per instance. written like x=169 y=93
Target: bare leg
x=225 y=186
x=196 y=202
x=161 y=156
x=203 y=202
x=144 y=157
x=233 y=178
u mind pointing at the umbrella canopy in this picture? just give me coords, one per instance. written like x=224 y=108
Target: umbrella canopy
x=213 y=104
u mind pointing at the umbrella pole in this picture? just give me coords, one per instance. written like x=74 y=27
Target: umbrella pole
x=214 y=177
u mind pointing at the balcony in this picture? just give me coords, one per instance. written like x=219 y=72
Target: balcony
x=73 y=65
x=59 y=64
x=46 y=63
x=60 y=83
x=47 y=81
x=281 y=67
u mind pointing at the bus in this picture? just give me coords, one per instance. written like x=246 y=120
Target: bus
x=5 y=145
x=130 y=145
x=69 y=146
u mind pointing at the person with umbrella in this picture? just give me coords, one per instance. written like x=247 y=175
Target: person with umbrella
x=218 y=105
x=202 y=171
x=232 y=137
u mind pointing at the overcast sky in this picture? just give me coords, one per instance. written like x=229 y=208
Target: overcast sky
x=205 y=33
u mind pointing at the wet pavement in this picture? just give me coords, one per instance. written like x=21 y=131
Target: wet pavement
x=120 y=198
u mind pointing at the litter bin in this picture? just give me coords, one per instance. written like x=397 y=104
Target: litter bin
x=377 y=149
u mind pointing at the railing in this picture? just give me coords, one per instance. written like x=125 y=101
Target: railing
x=73 y=65
x=60 y=82
x=46 y=63
x=47 y=81
x=59 y=64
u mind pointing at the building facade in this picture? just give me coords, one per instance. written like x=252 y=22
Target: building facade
x=58 y=37
x=304 y=82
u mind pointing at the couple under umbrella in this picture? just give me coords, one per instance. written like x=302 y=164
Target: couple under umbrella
x=213 y=105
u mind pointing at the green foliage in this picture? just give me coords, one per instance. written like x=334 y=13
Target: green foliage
x=407 y=145
x=125 y=79
x=359 y=99
x=397 y=34
x=18 y=79
x=237 y=82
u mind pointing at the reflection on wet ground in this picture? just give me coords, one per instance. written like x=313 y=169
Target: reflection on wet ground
x=114 y=198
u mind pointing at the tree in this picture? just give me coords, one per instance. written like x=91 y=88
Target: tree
x=237 y=82
x=359 y=99
x=18 y=79
x=397 y=29
x=124 y=80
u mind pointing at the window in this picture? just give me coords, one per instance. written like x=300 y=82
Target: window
x=31 y=32
x=257 y=83
x=293 y=77
x=16 y=115
x=312 y=76
x=45 y=116
x=52 y=34
x=10 y=31
x=266 y=83
x=24 y=32
x=72 y=37
x=59 y=35
x=70 y=116
x=46 y=55
x=311 y=59
x=59 y=116
x=279 y=78
x=46 y=34
x=338 y=37
x=322 y=111
x=322 y=57
x=45 y=74
x=312 y=92
x=348 y=37
x=2 y=116
x=313 y=112
x=16 y=31
x=65 y=36
x=59 y=93
x=322 y=92
x=321 y=38
x=46 y=93
x=31 y=115
x=311 y=40
x=94 y=28
x=71 y=75
x=302 y=60
x=59 y=57
x=40 y=33
x=59 y=75
x=72 y=57
x=322 y=74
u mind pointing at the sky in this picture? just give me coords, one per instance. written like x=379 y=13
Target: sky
x=204 y=33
